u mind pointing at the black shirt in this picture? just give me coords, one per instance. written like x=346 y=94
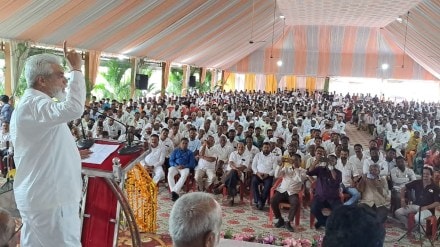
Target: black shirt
x=424 y=196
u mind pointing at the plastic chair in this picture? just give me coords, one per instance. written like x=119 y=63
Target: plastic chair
x=284 y=205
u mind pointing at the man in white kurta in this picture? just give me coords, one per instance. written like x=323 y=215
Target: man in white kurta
x=155 y=159
x=48 y=183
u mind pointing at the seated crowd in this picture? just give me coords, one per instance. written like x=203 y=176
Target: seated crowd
x=237 y=141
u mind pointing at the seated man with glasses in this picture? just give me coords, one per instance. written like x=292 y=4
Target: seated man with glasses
x=8 y=234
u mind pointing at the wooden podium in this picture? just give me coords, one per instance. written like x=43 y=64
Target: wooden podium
x=103 y=200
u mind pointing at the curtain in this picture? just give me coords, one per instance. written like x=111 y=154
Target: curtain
x=271 y=83
x=260 y=81
x=290 y=82
x=19 y=54
x=310 y=84
x=94 y=61
x=249 y=82
x=320 y=83
x=229 y=81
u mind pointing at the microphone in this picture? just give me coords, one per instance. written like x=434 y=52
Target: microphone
x=84 y=143
x=129 y=137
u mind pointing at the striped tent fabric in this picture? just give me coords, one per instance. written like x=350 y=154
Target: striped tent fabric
x=321 y=37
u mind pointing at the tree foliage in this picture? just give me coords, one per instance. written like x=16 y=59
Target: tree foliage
x=118 y=87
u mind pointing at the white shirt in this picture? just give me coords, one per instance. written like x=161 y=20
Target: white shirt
x=357 y=163
x=239 y=160
x=382 y=165
x=264 y=163
x=47 y=159
x=156 y=157
x=400 y=178
x=293 y=179
x=168 y=145
x=223 y=152
x=204 y=164
x=348 y=172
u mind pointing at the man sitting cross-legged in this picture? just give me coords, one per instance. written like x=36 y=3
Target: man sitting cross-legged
x=181 y=161
x=293 y=179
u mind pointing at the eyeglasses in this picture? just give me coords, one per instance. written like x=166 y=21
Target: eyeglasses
x=16 y=231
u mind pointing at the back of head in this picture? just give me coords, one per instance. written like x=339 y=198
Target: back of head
x=39 y=65
x=195 y=219
x=7 y=227
x=4 y=99
x=353 y=226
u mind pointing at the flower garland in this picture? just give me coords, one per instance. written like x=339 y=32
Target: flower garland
x=142 y=196
x=272 y=240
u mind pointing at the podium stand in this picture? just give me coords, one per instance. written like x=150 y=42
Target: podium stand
x=103 y=200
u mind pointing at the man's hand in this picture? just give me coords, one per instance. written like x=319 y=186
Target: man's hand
x=180 y=167
x=73 y=58
x=85 y=153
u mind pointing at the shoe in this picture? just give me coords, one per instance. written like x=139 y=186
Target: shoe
x=174 y=196
x=280 y=223
x=231 y=202
x=289 y=227
x=260 y=206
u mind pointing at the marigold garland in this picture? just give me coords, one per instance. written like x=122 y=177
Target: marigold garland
x=142 y=196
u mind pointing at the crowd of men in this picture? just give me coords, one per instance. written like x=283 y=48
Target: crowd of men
x=251 y=139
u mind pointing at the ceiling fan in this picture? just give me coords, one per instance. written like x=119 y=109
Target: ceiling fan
x=251 y=40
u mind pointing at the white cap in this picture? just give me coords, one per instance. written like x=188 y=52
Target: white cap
x=273 y=139
x=404 y=126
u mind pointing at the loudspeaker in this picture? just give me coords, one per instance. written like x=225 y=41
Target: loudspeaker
x=192 y=81
x=141 y=82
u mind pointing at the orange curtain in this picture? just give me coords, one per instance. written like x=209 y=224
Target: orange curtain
x=249 y=82
x=310 y=84
x=94 y=60
x=271 y=83
x=230 y=81
x=290 y=82
x=202 y=75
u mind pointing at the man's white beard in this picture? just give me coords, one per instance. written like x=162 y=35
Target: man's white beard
x=61 y=96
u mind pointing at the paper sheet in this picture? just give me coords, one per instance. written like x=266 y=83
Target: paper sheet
x=100 y=152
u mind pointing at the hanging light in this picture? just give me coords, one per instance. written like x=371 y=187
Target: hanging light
x=385 y=66
x=280 y=63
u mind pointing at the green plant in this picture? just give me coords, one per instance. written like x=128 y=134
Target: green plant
x=117 y=88
x=175 y=81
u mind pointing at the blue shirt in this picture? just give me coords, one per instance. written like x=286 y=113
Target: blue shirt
x=182 y=157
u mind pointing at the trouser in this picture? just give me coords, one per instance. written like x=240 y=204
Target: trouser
x=318 y=205
x=159 y=174
x=284 y=197
x=172 y=172
x=381 y=211
x=261 y=197
x=59 y=226
x=371 y=128
x=354 y=195
x=231 y=181
x=200 y=174
x=402 y=214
